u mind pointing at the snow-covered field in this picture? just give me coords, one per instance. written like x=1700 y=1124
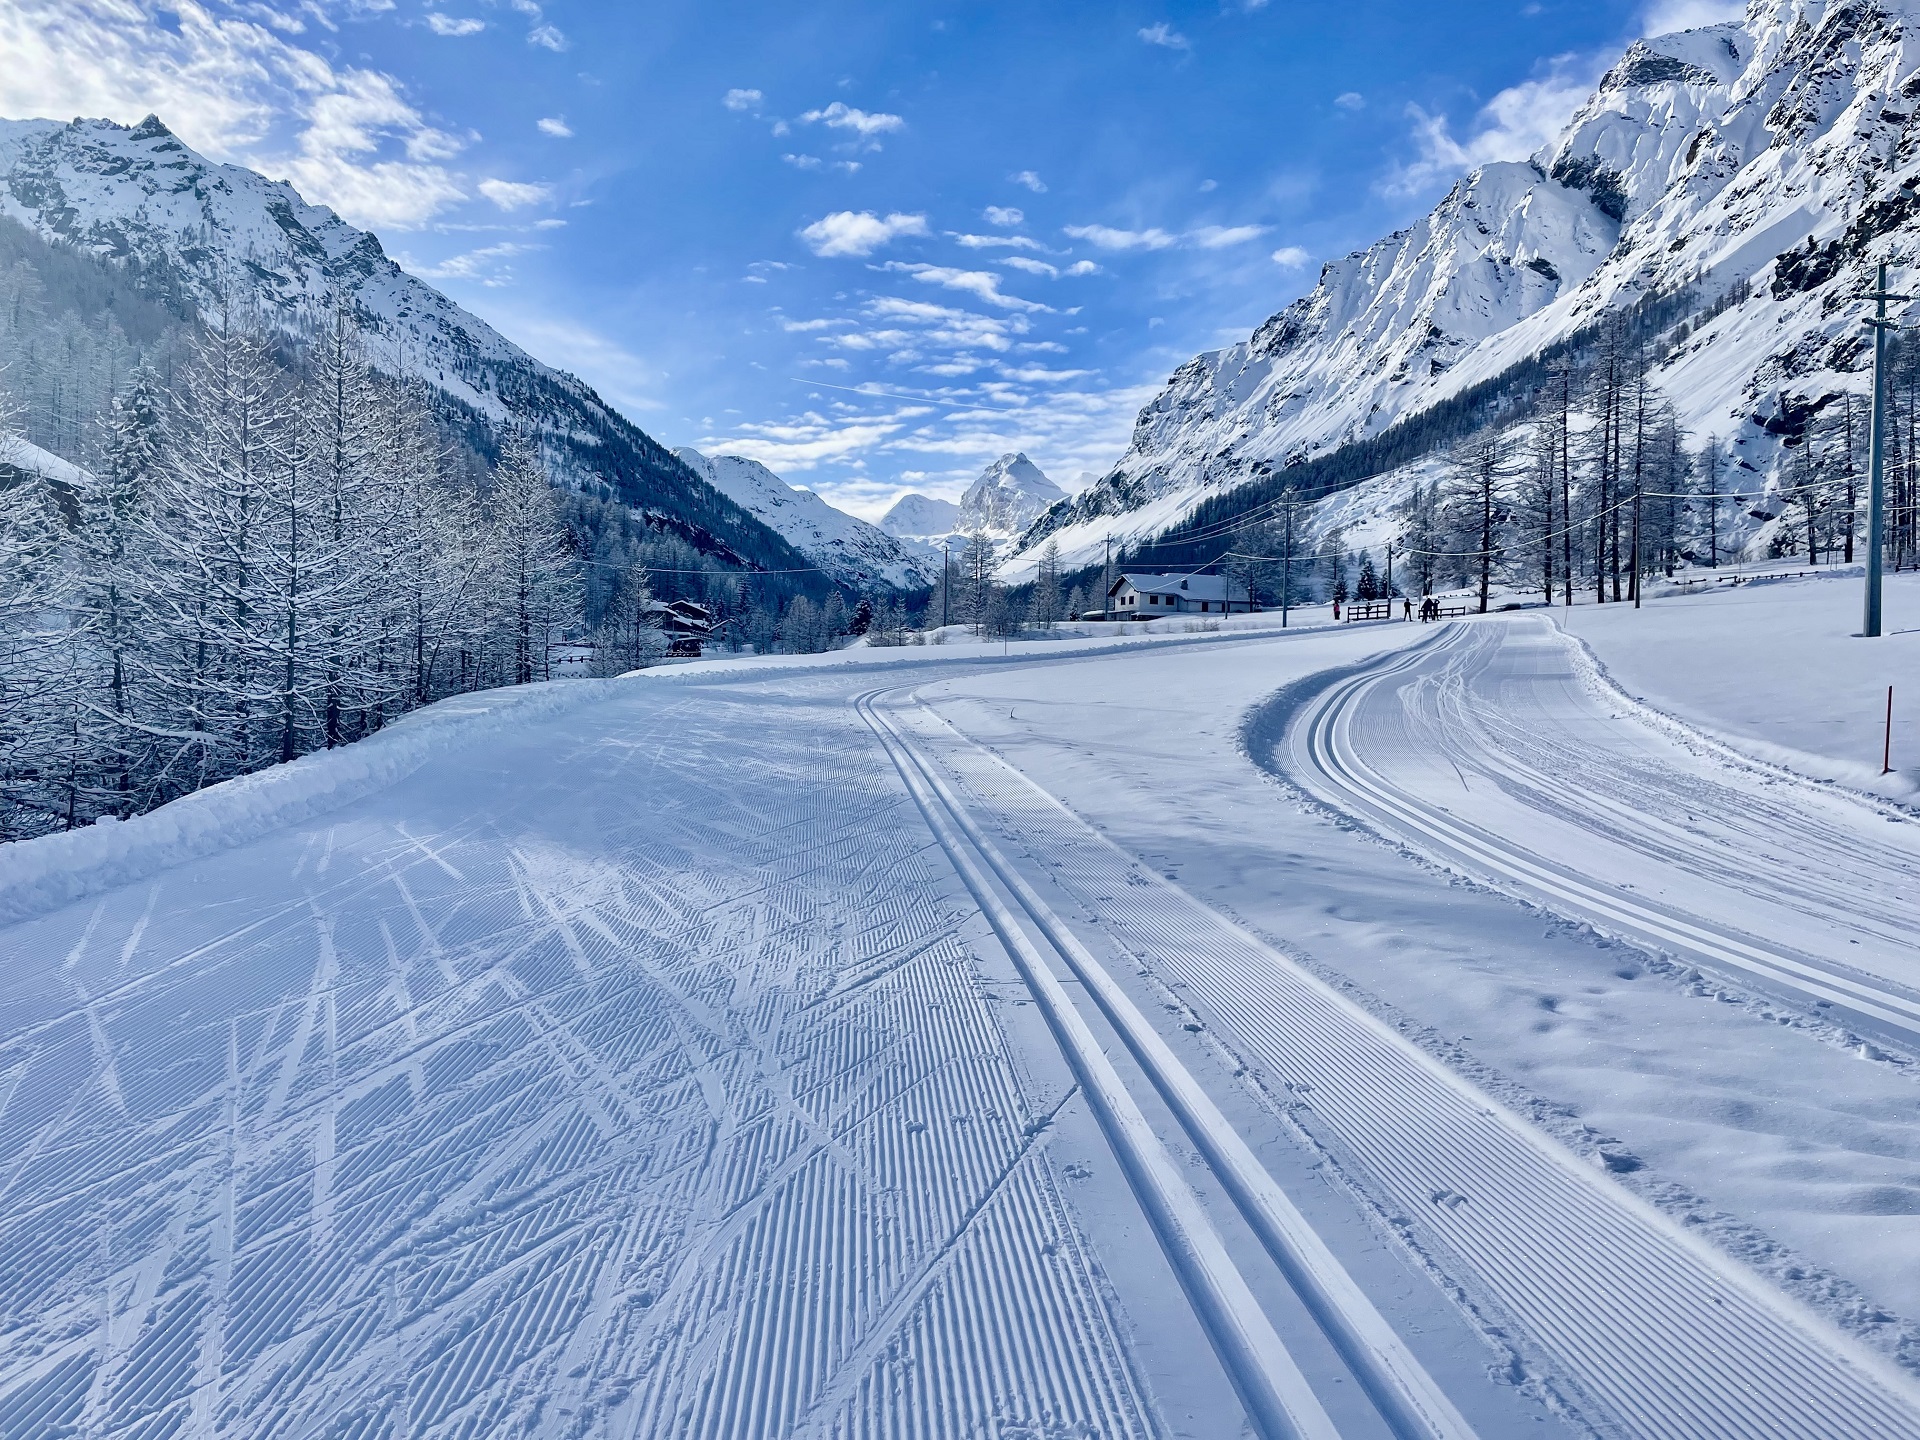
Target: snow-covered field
x=972 y=1040
x=1778 y=668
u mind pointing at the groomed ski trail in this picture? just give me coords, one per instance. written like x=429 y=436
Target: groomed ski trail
x=1498 y=750
x=669 y=1104
x=1648 y=1332
x=1406 y=1397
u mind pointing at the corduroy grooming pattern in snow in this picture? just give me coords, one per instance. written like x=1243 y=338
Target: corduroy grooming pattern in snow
x=614 y=1078
x=1646 y=1330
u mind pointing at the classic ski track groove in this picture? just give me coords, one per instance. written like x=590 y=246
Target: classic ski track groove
x=1653 y=1333
x=1279 y=1402
x=1633 y=808
x=1413 y=1406
x=695 y=1121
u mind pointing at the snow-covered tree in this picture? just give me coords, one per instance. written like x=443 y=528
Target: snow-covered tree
x=1045 y=607
x=535 y=582
x=629 y=636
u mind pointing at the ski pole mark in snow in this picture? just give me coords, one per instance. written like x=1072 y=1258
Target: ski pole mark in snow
x=562 y=1097
x=1649 y=1331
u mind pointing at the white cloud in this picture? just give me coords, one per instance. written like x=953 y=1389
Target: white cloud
x=1290 y=257
x=805 y=441
x=486 y=266
x=742 y=100
x=1108 y=238
x=542 y=35
x=1219 y=237
x=513 y=195
x=1039 y=374
x=1029 y=179
x=982 y=284
x=1663 y=17
x=841 y=116
x=1207 y=187
x=555 y=126
x=999 y=242
x=235 y=90
x=1512 y=126
x=942 y=327
x=859 y=232
x=1165 y=36
x=1032 y=266
x=1351 y=100
x=447 y=25
x=1004 y=215
x=803 y=162
x=1082 y=267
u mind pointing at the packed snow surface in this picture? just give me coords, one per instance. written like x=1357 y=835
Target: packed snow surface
x=1778 y=669
x=639 y=1064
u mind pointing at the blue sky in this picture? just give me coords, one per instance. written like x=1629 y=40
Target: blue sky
x=873 y=245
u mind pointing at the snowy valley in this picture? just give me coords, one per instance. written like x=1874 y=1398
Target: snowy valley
x=511 y=929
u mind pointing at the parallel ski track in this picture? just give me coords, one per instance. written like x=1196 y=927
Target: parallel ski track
x=1279 y=1402
x=1648 y=1332
x=671 y=1107
x=1772 y=847
x=1406 y=1397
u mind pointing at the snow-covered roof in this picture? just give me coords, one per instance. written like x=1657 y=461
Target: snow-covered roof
x=1188 y=587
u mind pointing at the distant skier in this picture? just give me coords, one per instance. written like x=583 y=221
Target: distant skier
x=1407 y=613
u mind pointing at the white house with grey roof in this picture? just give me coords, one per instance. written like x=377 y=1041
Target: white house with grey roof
x=1142 y=597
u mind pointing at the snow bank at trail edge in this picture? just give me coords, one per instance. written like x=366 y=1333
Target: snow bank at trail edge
x=1697 y=733
x=40 y=875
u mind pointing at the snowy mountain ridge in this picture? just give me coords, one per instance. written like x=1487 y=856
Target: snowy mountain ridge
x=850 y=550
x=1002 y=502
x=140 y=199
x=1702 y=161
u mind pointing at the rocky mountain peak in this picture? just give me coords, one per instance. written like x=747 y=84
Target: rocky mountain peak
x=1010 y=495
x=136 y=198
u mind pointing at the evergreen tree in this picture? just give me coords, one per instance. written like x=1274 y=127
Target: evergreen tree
x=629 y=636
x=1367 y=587
x=1475 y=508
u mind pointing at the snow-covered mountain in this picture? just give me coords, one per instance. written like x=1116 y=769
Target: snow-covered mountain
x=190 y=230
x=1009 y=495
x=850 y=550
x=915 y=516
x=1766 y=154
